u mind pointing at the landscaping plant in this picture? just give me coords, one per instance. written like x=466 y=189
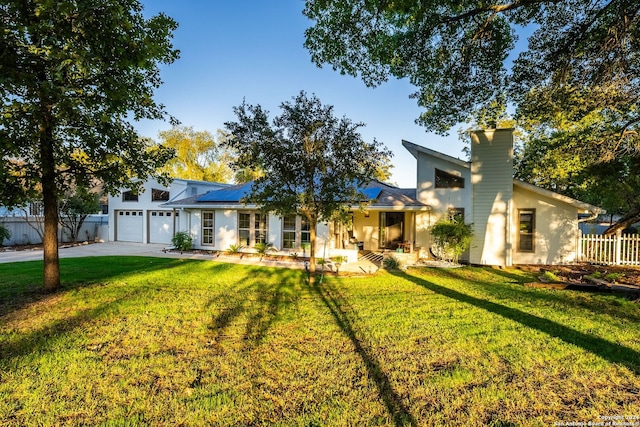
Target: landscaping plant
x=182 y=241
x=452 y=238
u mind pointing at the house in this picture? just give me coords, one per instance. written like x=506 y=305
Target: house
x=140 y=217
x=514 y=222
x=218 y=219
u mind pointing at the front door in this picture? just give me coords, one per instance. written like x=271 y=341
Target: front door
x=391 y=229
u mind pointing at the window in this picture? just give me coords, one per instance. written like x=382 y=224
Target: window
x=296 y=232
x=305 y=231
x=244 y=229
x=289 y=232
x=260 y=227
x=456 y=215
x=448 y=180
x=527 y=228
x=252 y=228
x=36 y=209
x=159 y=195
x=207 y=227
x=129 y=196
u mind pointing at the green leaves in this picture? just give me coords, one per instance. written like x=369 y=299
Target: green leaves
x=312 y=161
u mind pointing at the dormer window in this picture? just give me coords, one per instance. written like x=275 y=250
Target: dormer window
x=448 y=180
x=159 y=195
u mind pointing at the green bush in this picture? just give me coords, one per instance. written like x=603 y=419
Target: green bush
x=5 y=234
x=452 y=238
x=391 y=263
x=235 y=248
x=262 y=248
x=182 y=240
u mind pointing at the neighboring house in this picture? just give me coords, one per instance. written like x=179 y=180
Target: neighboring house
x=142 y=218
x=514 y=222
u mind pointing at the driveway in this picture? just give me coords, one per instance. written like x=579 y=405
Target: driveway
x=156 y=250
x=94 y=249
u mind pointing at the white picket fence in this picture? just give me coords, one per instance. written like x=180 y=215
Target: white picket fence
x=621 y=249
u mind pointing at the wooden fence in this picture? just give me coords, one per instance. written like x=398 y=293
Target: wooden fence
x=621 y=249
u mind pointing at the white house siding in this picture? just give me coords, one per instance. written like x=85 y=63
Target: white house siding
x=152 y=229
x=556 y=229
x=492 y=187
x=123 y=230
x=442 y=199
x=226 y=228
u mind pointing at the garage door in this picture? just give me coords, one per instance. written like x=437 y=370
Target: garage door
x=160 y=226
x=129 y=226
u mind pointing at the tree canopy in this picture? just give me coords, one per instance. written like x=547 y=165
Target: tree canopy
x=73 y=76
x=575 y=87
x=314 y=164
x=199 y=155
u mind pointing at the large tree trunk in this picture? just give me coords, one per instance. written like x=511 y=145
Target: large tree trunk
x=51 y=272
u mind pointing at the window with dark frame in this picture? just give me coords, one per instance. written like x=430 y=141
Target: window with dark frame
x=129 y=196
x=526 y=230
x=159 y=195
x=456 y=215
x=448 y=180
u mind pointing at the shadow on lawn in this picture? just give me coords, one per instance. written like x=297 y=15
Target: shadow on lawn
x=21 y=283
x=339 y=308
x=608 y=350
x=259 y=303
x=564 y=297
x=46 y=337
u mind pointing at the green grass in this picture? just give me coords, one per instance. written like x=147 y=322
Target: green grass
x=151 y=341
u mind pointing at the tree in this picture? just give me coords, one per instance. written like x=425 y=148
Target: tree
x=577 y=83
x=199 y=155
x=73 y=76
x=75 y=209
x=314 y=163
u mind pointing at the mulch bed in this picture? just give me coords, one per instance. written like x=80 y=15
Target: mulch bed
x=591 y=278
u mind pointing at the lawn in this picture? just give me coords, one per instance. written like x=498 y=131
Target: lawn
x=153 y=341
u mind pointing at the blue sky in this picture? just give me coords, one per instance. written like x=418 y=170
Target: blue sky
x=253 y=49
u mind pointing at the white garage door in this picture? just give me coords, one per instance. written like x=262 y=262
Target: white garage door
x=161 y=226
x=129 y=226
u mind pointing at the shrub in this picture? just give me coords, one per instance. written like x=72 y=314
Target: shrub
x=550 y=276
x=182 y=240
x=391 y=263
x=4 y=234
x=235 y=248
x=452 y=238
x=613 y=277
x=262 y=248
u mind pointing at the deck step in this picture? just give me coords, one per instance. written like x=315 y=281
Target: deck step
x=374 y=257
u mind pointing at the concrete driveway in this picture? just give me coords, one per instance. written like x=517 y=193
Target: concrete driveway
x=156 y=250
x=93 y=249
